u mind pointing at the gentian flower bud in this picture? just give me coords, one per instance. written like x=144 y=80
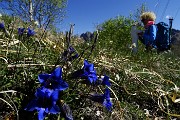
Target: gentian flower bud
x=21 y=31
x=2 y=26
x=30 y=32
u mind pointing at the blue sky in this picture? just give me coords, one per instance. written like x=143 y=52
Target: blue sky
x=86 y=14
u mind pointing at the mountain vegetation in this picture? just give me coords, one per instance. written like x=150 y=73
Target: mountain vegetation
x=55 y=76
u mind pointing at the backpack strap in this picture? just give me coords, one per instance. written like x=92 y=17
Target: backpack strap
x=170 y=29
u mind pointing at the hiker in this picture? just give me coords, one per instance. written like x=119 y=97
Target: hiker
x=148 y=36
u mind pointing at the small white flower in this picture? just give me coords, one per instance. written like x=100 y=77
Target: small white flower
x=0 y=15
x=54 y=46
x=102 y=76
x=36 y=23
x=176 y=89
x=98 y=113
x=117 y=77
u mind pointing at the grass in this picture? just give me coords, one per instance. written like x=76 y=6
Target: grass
x=144 y=85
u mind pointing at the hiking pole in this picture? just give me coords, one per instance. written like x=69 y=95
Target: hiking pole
x=170 y=30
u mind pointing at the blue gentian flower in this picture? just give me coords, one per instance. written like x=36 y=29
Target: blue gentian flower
x=45 y=102
x=21 y=31
x=104 y=99
x=70 y=54
x=30 y=32
x=71 y=50
x=2 y=26
x=89 y=72
x=105 y=81
x=53 y=80
x=107 y=102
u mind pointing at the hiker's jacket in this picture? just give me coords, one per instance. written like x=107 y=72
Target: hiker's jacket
x=149 y=36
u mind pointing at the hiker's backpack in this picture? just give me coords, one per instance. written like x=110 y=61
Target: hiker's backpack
x=163 y=39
